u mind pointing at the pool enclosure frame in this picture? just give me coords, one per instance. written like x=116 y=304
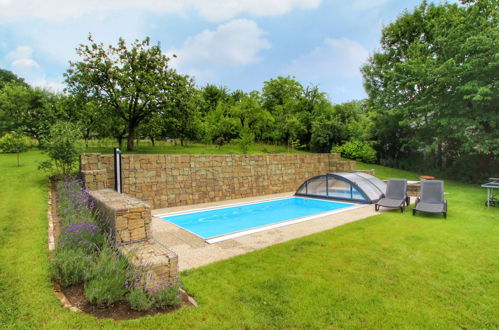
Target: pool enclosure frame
x=368 y=181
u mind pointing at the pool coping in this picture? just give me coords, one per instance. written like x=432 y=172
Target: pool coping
x=194 y=251
x=252 y=230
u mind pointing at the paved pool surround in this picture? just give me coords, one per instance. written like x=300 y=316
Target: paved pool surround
x=177 y=180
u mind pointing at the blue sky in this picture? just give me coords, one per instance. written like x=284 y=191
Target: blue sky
x=234 y=43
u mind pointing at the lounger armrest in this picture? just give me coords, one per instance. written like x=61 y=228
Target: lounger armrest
x=445 y=205
x=417 y=201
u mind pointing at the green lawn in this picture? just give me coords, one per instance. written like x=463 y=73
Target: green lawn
x=388 y=271
x=161 y=147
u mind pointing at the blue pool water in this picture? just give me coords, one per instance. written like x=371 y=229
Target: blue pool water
x=228 y=220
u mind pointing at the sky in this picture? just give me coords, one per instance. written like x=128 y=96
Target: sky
x=234 y=43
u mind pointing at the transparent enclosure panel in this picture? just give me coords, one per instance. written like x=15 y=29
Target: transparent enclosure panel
x=357 y=195
x=302 y=190
x=338 y=189
x=317 y=186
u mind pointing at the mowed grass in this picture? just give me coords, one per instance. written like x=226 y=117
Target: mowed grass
x=162 y=147
x=389 y=271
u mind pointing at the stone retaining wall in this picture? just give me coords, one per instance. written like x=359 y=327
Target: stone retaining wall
x=174 y=180
x=130 y=222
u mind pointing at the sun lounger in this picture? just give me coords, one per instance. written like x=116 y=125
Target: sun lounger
x=431 y=199
x=395 y=196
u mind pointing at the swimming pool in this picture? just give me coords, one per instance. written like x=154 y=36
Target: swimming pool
x=252 y=217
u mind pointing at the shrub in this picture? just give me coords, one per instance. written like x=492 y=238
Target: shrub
x=167 y=296
x=63 y=147
x=14 y=143
x=246 y=140
x=106 y=280
x=85 y=236
x=139 y=300
x=357 y=150
x=74 y=202
x=69 y=266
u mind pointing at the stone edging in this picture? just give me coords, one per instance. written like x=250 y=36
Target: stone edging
x=51 y=245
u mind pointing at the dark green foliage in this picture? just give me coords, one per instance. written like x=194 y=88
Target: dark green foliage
x=30 y=110
x=433 y=86
x=70 y=265
x=357 y=150
x=106 y=279
x=9 y=77
x=139 y=300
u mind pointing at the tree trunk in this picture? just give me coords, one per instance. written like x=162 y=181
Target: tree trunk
x=18 y=160
x=119 y=138
x=130 y=138
x=152 y=140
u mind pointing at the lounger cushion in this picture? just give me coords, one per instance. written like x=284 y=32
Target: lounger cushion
x=429 y=207
x=390 y=202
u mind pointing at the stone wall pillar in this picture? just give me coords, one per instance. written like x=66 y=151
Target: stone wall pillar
x=130 y=222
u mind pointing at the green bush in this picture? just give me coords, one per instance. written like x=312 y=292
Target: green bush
x=357 y=150
x=63 y=147
x=167 y=296
x=69 y=266
x=139 y=300
x=106 y=280
x=14 y=143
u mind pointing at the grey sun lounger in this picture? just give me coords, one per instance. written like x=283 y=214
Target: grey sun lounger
x=395 y=196
x=431 y=199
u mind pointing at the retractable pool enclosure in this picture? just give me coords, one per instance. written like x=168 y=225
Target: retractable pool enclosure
x=355 y=186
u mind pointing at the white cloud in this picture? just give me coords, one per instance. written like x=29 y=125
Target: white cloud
x=335 y=57
x=235 y=43
x=21 y=52
x=21 y=63
x=212 y=10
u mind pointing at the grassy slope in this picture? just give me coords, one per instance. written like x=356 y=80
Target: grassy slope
x=162 y=147
x=391 y=270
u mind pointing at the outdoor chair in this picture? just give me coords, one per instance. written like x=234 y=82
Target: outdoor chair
x=431 y=199
x=395 y=196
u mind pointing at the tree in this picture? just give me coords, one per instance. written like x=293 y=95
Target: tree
x=133 y=82
x=433 y=85
x=31 y=110
x=9 y=77
x=14 y=143
x=63 y=147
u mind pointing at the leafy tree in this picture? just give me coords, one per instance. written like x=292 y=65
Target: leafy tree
x=9 y=77
x=282 y=98
x=14 y=143
x=252 y=116
x=31 y=110
x=433 y=85
x=181 y=112
x=133 y=82
x=63 y=147
x=335 y=125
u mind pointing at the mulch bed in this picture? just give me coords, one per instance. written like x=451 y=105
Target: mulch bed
x=118 y=311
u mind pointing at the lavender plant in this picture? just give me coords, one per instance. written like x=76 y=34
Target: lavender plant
x=75 y=205
x=70 y=265
x=106 y=279
x=86 y=236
